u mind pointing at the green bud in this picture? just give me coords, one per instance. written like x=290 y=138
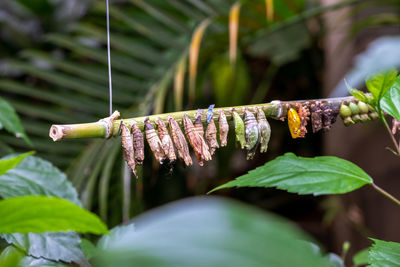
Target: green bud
x=239 y=129
x=373 y=115
x=354 y=108
x=364 y=117
x=345 y=111
x=347 y=121
x=363 y=107
x=370 y=108
x=356 y=118
x=370 y=98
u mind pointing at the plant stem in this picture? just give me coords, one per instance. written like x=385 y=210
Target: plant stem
x=386 y=194
x=99 y=129
x=396 y=145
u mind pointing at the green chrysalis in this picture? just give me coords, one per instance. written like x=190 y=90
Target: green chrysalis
x=239 y=129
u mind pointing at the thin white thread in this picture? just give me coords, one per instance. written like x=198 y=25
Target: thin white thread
x=109 y=58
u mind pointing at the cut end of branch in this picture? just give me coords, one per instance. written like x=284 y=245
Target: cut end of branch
x=56 y=133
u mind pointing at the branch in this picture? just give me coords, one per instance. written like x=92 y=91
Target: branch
x=107 y=127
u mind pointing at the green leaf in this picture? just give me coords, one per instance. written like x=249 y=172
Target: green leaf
x=207 y=232
x=356 y=93
x=390 y=102
x=10 y=121
x=34 y=176
x=10 y=257
x=53 y=246
x=318 y=176
x=380 y=83
x=40 y=262
x=37 y=214
x=89 y=250
x=361 y=257
x=383 y=253
x=9 y=163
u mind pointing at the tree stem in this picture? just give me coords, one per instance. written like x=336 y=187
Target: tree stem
x=386 y=194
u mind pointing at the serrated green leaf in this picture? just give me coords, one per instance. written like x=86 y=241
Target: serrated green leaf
x=383 y=253
x=207 y=232
x=390 y=102
x=380 y=83
x=39 y=262
x=361 y=257
x=35 y=176
x=10 y=257
x=53 y=246
x=9 y=163
x=10 y=121
x=38 y=214
x=317 y=176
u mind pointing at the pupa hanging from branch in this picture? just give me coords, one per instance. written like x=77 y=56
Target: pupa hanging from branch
x=180 y=142
x=198 y=125
x=211 y=136
x=166 y=141
x=252 y=134
x=223 y=128
x=127 y=148
x=265 y=130
x=138 y=144
x=239 y=129
x=154 y=142
x=197 y=142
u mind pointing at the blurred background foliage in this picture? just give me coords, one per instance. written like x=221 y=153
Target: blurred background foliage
x=53 y=68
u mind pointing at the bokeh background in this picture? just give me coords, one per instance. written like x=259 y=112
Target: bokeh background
x=53 y=70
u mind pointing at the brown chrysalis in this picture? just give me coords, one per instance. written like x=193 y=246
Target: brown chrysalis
x=198 y=125
x=197 y=142
x=211 y=136
x=223 y=128
x=329 y=114
x=180 y=142
x=304 y=114
x=166 y=141
x=127 y=148
x=316 y=117
x=138 y=144
x=154 y=141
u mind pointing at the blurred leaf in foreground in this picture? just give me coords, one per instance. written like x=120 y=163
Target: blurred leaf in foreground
x=384 y=253
x=207 y=232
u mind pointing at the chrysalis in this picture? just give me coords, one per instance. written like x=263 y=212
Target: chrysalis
x=294 y=123
x=304 y=114
x=198 y=125
x=252 y=134
x=127 y=147
x=138 y=144
x=316 y=117
x=265 y=129
x=223 y=128
x=211 y=136
x=166 y=141
x=154 y=141
x=210 y=113
x=198 y=143
x=180 y=142
x=239 y=129
x=329 y=114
